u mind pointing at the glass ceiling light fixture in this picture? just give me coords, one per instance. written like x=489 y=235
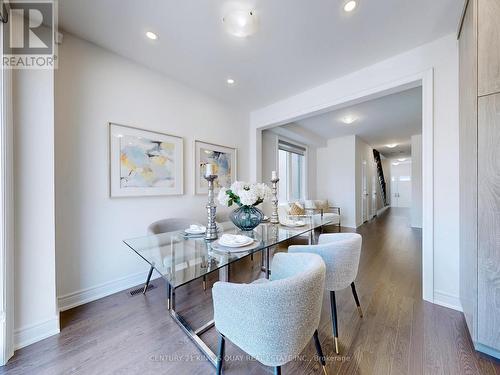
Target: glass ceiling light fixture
x=348 y=119
x=230 y=81
x=151 y=35
x=391 y=145
x=240 y=23
x=350 y=6
x=401 y=160
x=395 y=163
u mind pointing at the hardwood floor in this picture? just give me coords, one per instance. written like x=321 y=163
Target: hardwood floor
x=399 y=333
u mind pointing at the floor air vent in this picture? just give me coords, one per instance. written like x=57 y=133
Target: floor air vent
x=137 y=291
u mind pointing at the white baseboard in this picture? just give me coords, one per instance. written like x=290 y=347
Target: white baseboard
x=30 y=334
x=380 y=210
x=80 y=297
x=447 y=300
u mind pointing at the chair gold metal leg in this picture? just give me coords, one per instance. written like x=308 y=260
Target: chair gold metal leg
x=335 y=326
x=220 y=354
x=319 y=351
x=204 y=283
x=356 y=299
x=360 y=312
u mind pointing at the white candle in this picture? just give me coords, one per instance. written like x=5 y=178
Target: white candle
x=209 y=169
x=274 y=175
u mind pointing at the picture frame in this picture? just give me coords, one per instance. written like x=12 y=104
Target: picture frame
x=144 y=163
x=224 y=157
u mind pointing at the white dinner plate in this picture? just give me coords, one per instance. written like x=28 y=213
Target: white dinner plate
x=296 y=224
x=226 y=249
x=235 y=244
x=194 y=231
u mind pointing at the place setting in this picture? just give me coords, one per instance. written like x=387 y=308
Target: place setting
x=194 y=231
x=234 y=243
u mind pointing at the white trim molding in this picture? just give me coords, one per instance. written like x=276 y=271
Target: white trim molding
x=33 y=333
x=6 y=216
x=83 y=296
x=432 y=66
x=380 y=211
x=447 y=300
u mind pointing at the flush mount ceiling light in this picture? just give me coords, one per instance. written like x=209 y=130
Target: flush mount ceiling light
x=348 y=119
x=391 y=145
x=151 y=35
x=240 y=23
x=230 y=81
x=403 y=159
x=350 y=6
x=395 y=163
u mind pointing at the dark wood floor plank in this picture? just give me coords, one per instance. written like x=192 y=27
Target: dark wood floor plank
x=399 y=333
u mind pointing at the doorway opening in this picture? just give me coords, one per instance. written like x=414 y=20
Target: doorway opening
x=283 y=122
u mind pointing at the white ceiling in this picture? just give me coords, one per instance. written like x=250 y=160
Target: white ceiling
x=392 y=119
x=299 y=44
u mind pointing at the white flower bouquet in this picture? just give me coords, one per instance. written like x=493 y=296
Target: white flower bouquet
x=244 y=194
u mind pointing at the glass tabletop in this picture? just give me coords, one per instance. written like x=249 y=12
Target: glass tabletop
x=180 y=258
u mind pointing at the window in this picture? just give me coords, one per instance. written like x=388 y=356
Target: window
x=291 y=168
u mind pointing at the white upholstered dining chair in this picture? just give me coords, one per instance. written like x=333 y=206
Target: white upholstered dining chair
x=165 y=226
x=273 y=320
x=341 y=253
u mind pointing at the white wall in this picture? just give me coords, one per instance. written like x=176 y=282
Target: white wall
x=336 y=176
x=442 y=57
x=94 y=87
x=269 y=160
x=36 y=314
x=339 y=176
x=416 y=181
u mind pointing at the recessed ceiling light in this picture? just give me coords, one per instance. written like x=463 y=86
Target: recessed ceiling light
x=350 y=6
x=230 y=81
x=348 y=119
x=391 y=145
x=403 y=159
x=240 y=23
x=151 y=35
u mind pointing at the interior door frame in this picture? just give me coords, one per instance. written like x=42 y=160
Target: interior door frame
x=365 y=214
x=6 y=214
x=373 y=192
x=319 y=104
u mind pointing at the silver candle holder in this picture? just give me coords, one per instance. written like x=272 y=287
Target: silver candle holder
x=274 y=215
x=211 y=233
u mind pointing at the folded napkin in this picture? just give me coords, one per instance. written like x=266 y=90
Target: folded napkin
x=234 y=239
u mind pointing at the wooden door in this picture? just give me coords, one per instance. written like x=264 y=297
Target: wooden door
x=488 y=46
x=468 y=167
x=489 y=221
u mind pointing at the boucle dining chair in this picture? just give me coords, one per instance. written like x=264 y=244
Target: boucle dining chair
x=165 y=226
x=273 y=320
x=341 y=252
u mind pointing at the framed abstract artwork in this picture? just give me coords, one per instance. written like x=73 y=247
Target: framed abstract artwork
x=224 y=158
x=144 y=163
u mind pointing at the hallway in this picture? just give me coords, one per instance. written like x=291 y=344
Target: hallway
x=399 y=334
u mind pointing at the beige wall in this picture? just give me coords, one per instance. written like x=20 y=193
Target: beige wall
x=36 y=313
x=94 y=87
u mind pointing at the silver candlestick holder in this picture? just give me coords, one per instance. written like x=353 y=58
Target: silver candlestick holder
x=275 y=216
x=211 y=233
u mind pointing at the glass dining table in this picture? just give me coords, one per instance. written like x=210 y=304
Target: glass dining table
x=181 y=259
